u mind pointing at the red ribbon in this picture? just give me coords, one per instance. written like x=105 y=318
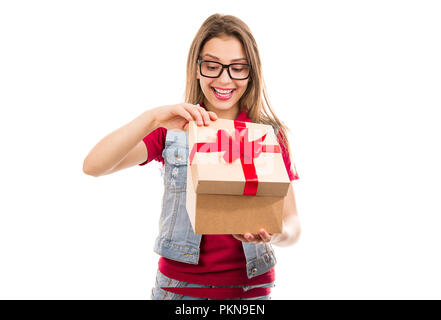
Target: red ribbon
x=238 y=147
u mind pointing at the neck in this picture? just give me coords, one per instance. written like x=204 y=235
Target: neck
x=229 y=114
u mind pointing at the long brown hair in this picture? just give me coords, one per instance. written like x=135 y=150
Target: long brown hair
x=255 y=96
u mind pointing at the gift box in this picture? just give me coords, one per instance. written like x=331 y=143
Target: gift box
x=236 y=178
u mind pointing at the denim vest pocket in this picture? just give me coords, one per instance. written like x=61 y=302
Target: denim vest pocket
x=260 y=258
x=176 y=170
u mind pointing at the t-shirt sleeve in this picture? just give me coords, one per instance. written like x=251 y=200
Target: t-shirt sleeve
x=155 y=144
x=290 y=166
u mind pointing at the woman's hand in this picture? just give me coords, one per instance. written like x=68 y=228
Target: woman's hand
x=178 y=115
x=261 y=237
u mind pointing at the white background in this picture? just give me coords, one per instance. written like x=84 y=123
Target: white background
x=358 y=83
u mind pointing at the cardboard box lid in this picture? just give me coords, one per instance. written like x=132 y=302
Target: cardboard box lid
x=236 y=158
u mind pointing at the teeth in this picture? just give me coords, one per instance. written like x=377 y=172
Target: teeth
x=223 y=91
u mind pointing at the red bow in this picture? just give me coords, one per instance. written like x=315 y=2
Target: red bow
x=238 y=147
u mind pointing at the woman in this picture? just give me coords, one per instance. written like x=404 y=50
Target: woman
x=224 y=79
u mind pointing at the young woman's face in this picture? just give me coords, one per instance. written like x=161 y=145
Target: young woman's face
x=225 y=50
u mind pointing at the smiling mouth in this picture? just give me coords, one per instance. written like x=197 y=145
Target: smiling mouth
x=223 y=94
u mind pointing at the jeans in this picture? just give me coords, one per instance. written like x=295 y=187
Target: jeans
x=164 y=281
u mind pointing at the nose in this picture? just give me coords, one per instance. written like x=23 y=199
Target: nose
x=225 y=77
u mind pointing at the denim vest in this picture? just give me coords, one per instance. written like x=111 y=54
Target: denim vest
x=176 y=239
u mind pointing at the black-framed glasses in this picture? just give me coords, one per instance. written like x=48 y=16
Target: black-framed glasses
x=213 y=69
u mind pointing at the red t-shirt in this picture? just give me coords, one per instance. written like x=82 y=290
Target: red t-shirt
x=222 y=260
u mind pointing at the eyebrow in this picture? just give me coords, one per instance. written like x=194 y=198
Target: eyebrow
x=211 y=56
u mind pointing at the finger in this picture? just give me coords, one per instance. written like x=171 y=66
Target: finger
x=205 y=115
x=250 y=237
x=194 y=112
x=239 y=237
x=242 y=238
x=213 y=116
x=185 y=114
x=264 y=235
x=257 y=238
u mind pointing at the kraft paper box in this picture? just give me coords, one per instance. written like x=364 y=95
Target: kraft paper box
x=236 y=178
